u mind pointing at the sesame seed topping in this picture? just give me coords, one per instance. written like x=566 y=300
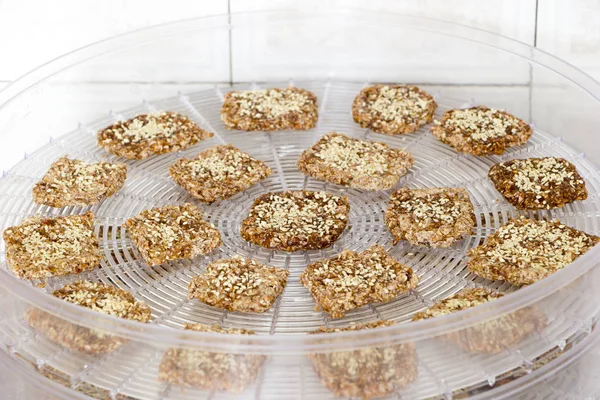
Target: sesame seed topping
x=351 y=280
x=172 y=232
x=524 y=251
x=400 y=103
x=537 y=183
x=55 y=246
x=482 y=124
x=364 y=157
x=105 y=299
x=270 y=103
x=239 y=284
x=75 y=182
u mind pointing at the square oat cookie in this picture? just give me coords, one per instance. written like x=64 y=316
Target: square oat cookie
x=270 y=110
x=538 y=183
x=207 y=370
x=523 y=251
x=172 y=233
x=296 y=220
x=239 y=284
x=360 y=164
x=71 y=182
x=369 y=372
x=96 y=296
x=393 y=109
x=151 y=134
x=492 y=336
x=218 y=173
x=480 y=130
x=42 y=247
x=434 y=217
x=351 y=280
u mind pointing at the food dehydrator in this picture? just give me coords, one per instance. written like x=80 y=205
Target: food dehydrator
x=58 y=108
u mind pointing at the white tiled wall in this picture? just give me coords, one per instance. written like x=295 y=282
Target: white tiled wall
x=33 y=32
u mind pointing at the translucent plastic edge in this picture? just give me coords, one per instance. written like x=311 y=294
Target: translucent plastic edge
x=300 y=343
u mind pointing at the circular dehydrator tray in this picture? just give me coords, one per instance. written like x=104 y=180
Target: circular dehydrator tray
x=164 y=287
x=132 y=370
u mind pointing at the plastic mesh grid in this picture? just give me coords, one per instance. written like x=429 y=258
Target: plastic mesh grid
x=164 y=287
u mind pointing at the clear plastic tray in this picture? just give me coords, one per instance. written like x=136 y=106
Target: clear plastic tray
x=467 y=67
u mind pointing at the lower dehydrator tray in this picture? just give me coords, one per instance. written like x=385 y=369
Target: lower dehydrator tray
x=132 y=369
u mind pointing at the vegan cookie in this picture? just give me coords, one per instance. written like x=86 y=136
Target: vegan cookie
x=491 y=336
x=218 y=173
x=366 y=373
x=480 y=130
x=270 y=110
x=393 y=109
x=151 y=134
x=351 y=280
x=435 y=217
x=296 y=220
x=210 y=370
x=71 y=182
x=42 y=247
x=239 y=284
x=171 y=233
x=538 y=183
x=96 y=296
x=360 y=164
x=523 y=251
